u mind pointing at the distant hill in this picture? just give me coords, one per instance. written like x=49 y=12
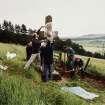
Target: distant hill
x=90 y=40
x=90 y=37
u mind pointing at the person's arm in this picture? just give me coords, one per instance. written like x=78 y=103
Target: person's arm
x=40 y=29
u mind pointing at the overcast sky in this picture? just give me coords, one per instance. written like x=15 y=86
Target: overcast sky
x=71 y=18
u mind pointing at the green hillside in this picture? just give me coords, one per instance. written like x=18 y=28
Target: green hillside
x=92 y=42
x=24 y=87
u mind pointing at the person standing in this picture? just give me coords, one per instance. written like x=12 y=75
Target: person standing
x=35 y=51
x=42 y=47
x=47 y=53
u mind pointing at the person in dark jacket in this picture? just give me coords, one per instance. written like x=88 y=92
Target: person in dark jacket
x=35 y=51
x=47 y=54
x=78 y=63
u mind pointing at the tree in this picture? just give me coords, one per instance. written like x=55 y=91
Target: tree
x=10 y=27
x=97 y=55
x=17 y=28
x=5 y=25
x=0 y=27
x=68 y=42
x=58 y=44
x=23 y=29
x=30 y=31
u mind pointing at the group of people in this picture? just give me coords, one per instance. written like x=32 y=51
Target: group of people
x=73 y=63
x=40 y=51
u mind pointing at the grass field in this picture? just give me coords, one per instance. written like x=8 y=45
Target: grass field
x=94 y=49
x=96 y=66
x=92 y=45
x=24 y=87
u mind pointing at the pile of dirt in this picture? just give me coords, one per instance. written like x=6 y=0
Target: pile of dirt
x=95 y=81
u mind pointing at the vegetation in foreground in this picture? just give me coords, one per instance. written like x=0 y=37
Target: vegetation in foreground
x=24 y=87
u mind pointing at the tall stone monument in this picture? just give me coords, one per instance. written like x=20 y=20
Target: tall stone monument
x=48 y=28
x=48 y=19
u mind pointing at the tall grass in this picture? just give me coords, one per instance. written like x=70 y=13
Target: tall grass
x=24 y=87
x=96 y=66
x=15 y=90
x=16 y=65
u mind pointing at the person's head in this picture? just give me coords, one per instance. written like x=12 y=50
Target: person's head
x=35 y=36
x=70 y=51
x=77 y=59
x=70 y=57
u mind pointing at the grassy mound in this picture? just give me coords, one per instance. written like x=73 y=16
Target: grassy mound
x=15 y=90
x=24 y=87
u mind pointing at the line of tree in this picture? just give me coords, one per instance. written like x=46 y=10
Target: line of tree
x=60 y=45
x=17 y=34
x=15 y=38
x=22 y=29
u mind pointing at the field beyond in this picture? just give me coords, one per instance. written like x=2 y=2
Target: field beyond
x=24 y=87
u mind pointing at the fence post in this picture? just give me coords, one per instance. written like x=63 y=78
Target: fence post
x=60 y=56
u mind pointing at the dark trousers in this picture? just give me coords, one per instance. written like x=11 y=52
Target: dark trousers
x=47 y=72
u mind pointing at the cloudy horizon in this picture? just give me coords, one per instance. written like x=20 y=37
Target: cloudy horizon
x=71 y=18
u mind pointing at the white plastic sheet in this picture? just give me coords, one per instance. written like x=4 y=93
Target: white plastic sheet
x=55 y=72
x=10 y=55
x=80 y=92
x=3 y=67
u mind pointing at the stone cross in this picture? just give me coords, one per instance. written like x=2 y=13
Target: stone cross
x=48 y=28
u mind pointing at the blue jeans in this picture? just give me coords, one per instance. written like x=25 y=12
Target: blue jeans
x=47 y=72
